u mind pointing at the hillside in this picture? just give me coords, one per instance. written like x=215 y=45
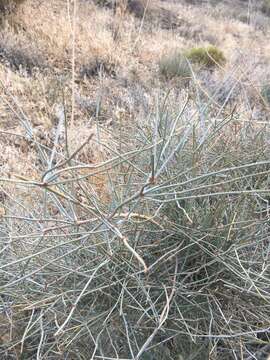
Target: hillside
x=117 y=57
x=134 y=179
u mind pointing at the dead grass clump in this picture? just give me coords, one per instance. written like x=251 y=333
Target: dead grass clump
x=97 y=66
x=94 y=36
x=7 y=6
x=105 y=3
x=8 y=12
x=153 y=14
x=20 y=54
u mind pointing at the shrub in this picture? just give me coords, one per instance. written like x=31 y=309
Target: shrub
x=104 y=3
x=265 y=93
x=19 y=57
x=174 y=64
x=137 y=7
x=173 y=265
x=96 y=66
x=208 y=57
x=266 y=7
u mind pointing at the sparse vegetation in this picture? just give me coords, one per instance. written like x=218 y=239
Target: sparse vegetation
x=9 y=5
x=20 y=56
x=265 y=92
x=266 y=7
x=134 y=197
x=208 y=57
x=174 y=64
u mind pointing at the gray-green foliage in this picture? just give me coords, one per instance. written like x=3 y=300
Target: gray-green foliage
x=173 y=266
x=265 y=92
x=266 y=7
x=174 y=65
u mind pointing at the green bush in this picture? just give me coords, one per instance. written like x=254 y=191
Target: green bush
x=174 y=65
x=208 y=57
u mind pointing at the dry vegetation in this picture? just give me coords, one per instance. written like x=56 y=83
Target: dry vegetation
x=134 y=179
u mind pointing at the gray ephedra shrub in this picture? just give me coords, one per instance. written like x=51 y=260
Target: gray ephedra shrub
x=171 y=264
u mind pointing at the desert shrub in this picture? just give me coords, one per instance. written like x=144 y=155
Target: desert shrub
x=19 y=55
x=266 y=7
x=171 y=265
x=265 y=93
x=137 y=7
x=105 y=3
x=174 y=65
x=207 y=57
x=96 y=66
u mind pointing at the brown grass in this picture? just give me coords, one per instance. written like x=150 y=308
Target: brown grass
x=120 y=70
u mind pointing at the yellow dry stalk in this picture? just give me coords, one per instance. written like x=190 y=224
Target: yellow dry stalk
x=121 y=7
